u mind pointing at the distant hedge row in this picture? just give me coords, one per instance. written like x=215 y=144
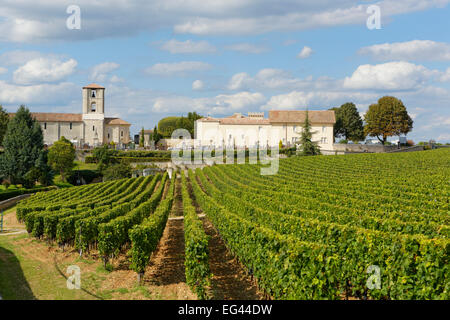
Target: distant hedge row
x=14 y=193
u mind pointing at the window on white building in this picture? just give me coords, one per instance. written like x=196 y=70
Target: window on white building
x=93 y=107
x=70 y=126
x=93 y=94
x=323 y=129
x=45 y=125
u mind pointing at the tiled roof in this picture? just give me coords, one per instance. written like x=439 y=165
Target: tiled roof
x=116 y=121
x=149 y=131
x=277 y=117
x=294 y=116
x=93 y=86
x=54 y=117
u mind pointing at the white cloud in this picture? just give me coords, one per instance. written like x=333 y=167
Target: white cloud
x=19 y=57
x=38 y=94
x=416 y=50
x=177 y=68
x=444 y=137
x=44 y=70
x=398 y=75
x=276 y=79
x=247 y=48
x=31 y=21
x=188 y=46
x=305 y=53
x=220 y=104
x=99 y=73
x=197 y=85
x=445 y=76
x=299 y=100
x=3 y=70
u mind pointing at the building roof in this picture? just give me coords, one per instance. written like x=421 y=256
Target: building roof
x=295 y=116
x=148 y=131
x=276 y=116
x=93 y=86
x=117 y=121
x=54 y=117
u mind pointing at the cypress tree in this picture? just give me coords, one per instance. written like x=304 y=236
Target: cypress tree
x=308 y=147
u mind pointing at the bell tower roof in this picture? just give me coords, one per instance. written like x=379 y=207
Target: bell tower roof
x=93 y=86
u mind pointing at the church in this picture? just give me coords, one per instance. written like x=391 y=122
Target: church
x=88 y=129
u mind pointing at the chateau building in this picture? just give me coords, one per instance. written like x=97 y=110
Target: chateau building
x=254 y=129
x=87 y=129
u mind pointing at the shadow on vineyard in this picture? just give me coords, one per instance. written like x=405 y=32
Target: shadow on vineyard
x=13 y=284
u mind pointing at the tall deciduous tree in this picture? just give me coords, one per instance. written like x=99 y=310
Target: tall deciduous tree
x=348 y=123
x=23 y=142
x=4 y=120
x=308 y=147
x=387 y=118
x=61 y=156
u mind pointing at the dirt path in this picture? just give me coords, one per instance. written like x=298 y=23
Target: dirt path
x=166 y=267
x=230 y=281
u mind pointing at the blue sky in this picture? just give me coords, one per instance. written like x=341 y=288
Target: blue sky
x=159 y=58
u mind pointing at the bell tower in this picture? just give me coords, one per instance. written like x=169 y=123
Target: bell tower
x=93 y=114
x=94 y=101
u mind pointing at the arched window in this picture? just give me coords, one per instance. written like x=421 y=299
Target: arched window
x=93 y=107
x=93 y=94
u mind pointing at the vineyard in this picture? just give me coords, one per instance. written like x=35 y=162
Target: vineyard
x=309 y=232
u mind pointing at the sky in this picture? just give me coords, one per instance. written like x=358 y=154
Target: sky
x=159 y=58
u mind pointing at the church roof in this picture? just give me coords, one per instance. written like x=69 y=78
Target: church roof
x=298 y=116
x=93 y=86
x=116 y=121
x=54 y=117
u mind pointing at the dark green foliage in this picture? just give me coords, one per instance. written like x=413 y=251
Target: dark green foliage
x=4 y=120
x=117 y=171
x=349 y=124
x=308 y=147
x=23 y=143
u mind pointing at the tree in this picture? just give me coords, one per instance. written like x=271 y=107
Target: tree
x=45 y=173
x=102 y=156
x=23 y=142
x=4 y=120
x=117 y=171
x=348 y=123
x=387 y=118
x=156 y=136
x=308 y=147
x=61 y=157
x=142 y=139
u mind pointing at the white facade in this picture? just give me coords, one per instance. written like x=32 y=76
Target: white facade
x=254 y=130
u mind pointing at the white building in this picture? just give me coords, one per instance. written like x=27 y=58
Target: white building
x=254 y=129
x=90 y=128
